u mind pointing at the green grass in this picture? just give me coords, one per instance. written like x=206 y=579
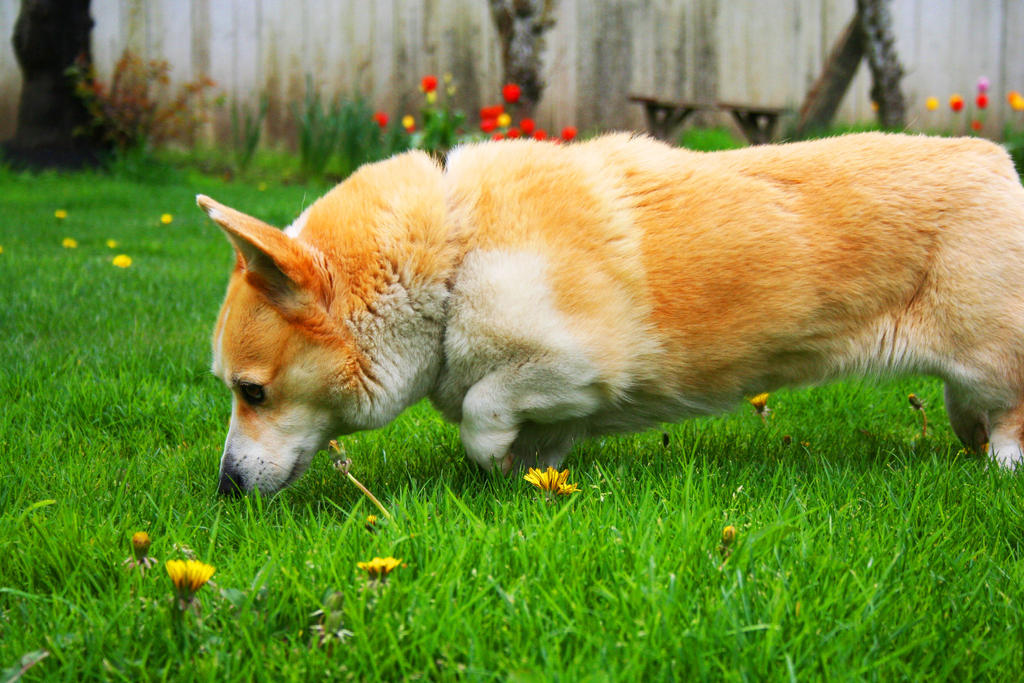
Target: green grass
x=710 y=139
x=865 y=551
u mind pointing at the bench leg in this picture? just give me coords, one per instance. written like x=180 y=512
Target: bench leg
x=759 y=128
x=662 y=121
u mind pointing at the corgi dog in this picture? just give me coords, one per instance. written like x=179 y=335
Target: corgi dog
x=539 y=293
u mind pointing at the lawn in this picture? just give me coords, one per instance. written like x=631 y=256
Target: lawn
x=865 y=549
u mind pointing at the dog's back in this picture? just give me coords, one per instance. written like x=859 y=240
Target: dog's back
x=687 y=280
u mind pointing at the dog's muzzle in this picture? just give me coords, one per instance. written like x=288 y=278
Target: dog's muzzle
x=231 y=483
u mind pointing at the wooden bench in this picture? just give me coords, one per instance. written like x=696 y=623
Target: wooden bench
x=758 y=123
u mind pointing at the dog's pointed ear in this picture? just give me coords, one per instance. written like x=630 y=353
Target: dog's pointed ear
x=285 y=270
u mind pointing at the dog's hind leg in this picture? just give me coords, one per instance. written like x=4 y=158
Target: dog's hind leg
x=970 y=423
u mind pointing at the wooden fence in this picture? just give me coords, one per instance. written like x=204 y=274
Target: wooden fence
x=759 y=51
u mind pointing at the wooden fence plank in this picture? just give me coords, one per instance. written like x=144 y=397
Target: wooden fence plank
x=766 y=52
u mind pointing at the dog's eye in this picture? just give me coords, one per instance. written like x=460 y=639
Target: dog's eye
x=252 y=393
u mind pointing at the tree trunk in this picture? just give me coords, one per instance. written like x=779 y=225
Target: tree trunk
x=886 y=72
x=823 y=98
x=521 y=26
x=49 y=36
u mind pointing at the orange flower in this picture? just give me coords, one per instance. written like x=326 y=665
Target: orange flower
x=956 y=102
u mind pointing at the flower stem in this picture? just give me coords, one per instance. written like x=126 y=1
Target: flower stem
x=369 y=495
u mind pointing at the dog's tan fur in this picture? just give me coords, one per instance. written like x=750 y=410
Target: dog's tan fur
x=541 y=293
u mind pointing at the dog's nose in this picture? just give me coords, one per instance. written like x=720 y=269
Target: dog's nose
x=230 y=483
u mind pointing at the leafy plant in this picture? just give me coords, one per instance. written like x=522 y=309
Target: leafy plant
x=441 y=121
x=366 y=136
x=246 y=128
x=320 y=129
x=137 y=109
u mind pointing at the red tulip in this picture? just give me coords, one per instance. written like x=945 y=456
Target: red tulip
x=981 y=100
x=976 y=125
x=381 y=118
x=513 y=133
x=527 y=125
x=488 y=125
x=429 y=83
x=540 y=134
x=491 y=112
x=568 y=133
x=510 y=92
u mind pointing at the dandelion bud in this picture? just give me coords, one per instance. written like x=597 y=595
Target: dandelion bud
x=915 y=402
x=140 y=545
x=728 y=535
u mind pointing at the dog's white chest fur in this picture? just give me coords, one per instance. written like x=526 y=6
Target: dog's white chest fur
x=513 y=369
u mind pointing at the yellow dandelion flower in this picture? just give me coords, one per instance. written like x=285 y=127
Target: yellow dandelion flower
x=166 y=218
x=69 y=243
x=760 y=403
x=379 y=567
x=551 y=480
x=262 y=187
x=60 y=214
x=188 y=576
x=122 y=260
x=112 y=244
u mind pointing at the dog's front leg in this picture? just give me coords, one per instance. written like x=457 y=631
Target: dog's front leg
x=495 y=408
x=489 y=425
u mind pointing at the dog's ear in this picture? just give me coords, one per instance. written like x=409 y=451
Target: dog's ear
x=285 y=270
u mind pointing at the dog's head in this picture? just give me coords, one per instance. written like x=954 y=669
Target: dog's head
x=273 y=340
x=334 y=325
